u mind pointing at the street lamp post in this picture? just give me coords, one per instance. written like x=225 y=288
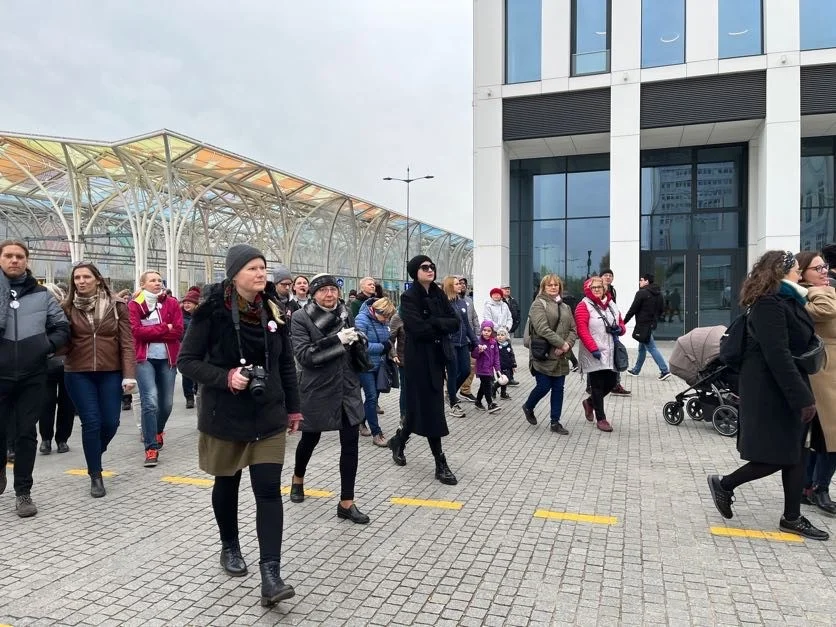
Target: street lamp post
x=407 y=180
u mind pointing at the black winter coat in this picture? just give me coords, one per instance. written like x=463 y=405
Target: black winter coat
x=428 y=319
x=328 y=383
x=772 y=389
x=210 y=350
x=648 y=307
x=507 y=359
x=514 y=307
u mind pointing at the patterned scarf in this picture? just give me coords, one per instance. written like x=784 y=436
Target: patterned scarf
x=93 y=307
x=250 y=312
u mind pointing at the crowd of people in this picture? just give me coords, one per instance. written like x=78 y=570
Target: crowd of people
x=262 y=358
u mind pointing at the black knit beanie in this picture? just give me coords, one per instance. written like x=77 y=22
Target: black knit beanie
x=238 y=256
x=413 y=265
x=322 y=280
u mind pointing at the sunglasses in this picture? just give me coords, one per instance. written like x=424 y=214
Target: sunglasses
x=427 y=267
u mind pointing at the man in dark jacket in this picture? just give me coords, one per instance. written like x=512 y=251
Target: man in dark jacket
x=514 y=306
x=648 y=307
x=368 y=290
x=608 y=275
x=32 y=327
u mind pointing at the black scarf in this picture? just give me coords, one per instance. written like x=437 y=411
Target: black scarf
x=328 y=322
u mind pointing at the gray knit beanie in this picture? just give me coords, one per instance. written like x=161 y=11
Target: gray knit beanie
x=238 y=256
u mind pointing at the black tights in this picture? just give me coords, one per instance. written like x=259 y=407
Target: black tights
x=434 y=442
x=349 y=451
x=792 y=478
x=266 y=481
x=485 y=389
x=601 y=383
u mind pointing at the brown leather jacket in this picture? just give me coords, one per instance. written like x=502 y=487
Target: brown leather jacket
x=110 y=347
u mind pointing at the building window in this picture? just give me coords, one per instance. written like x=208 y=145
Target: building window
x=818 y=191
x=740 y=33
x=522 y=40
x=663 y=32
x=590 y=37
x=817 y=24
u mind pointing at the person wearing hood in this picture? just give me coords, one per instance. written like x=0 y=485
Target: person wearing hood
x=598 y=324
x=157 y=328
x=238 y=350
x=648 y=307
x=497 y=311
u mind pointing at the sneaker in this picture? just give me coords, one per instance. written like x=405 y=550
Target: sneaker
x=479 y=405
x=723 y=499
x=556 y=427
x=505 y=397
x=468 y=397
x=151 y=458
x=632 y=372
x=364 y=431
x=379 y=410
x=46 y=447
x=456 y=411
x=604 y=425
x=619 y=390
x=529 y=415
x=588 y=409
x=801 y=527
x=664 y=376
x=160 y=440
x=24 y=506
x=380 y=440
x=190 y=402
x=492 y=407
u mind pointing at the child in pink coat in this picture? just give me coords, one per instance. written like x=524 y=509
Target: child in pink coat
x=486 y=354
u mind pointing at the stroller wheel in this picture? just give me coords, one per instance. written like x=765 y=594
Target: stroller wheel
x=724 y=419
x=673 y=413
x=694 y=409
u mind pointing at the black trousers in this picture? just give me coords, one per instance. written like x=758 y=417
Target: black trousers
x=21 y=403
x=792 y=479
x=57 y=417
x=485 y=388
x=349 y=452
x=266 y=480
x=601 y=383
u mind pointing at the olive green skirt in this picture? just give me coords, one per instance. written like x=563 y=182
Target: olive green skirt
x=223 y=458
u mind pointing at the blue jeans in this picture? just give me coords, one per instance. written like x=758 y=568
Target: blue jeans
x=155 y=379
x=369 y=382
x=458 y=369
x=654 y=352
x=545 y=383
x=820 y=469
x=97 y=397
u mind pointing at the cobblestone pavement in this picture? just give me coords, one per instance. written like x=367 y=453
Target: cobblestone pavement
x=147 y=554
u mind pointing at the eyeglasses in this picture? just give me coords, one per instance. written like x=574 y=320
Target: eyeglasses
x=427 y=267
x=285 y=283
x=597 y=287
x=820 y=268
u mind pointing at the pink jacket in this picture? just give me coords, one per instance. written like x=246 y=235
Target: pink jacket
x=170 y=313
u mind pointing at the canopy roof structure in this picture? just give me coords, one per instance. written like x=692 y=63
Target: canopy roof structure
x=172 y=203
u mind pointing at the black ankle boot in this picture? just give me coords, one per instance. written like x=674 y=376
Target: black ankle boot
x=97 y=489
x=821 y=499
x=232 y=560
x=443 y=472
x=273 y=589
x=397 y=444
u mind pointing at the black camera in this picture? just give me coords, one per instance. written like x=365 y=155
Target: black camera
x=258 y=380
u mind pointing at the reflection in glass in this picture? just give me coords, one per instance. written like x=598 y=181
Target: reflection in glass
x=817 y=181
x=670 y=277
x=590 y=45
x=817 y=24
x=588 y=194
x=666 y=189
x=666 y=232
x=715 y=290
x=740 y=28
x=716 y=230
x=549 y=196
x=663 y=32
x=587 y=249
x=816 y=227
x=717 y=185
x=522 y=40
x=549 y=248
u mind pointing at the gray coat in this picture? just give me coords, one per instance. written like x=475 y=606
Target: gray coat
x=553 y=322
x=328 y=385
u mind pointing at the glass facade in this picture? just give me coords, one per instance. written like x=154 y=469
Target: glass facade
x=590 y=37
x=740 y=28
x=818 y=24
x=663 y=32
x=560 y=222
x=817 y=192
x=523 y=34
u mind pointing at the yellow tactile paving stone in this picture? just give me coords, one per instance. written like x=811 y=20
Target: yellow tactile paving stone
x=777 y=536
x=400 y=500
x=587 y=518
x=82 y=472
x=309 y=492
x=208 y=483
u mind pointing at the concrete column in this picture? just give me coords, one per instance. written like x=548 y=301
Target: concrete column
x=556 y=39
x=626 y=37
x=701 y=21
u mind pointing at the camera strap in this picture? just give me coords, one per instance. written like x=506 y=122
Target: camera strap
x=236 y=322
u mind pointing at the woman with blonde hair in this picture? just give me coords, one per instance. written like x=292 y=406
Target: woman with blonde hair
x=462 y=340
x=373 y=321
x=157 y=327
x=550 y=319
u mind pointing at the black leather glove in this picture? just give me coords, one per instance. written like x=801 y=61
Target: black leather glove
x=808 y=413
x=387 y=346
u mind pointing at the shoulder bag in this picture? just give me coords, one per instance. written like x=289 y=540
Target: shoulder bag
x=621 y=360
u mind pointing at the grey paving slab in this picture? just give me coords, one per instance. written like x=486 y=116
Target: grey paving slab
x=147 y=554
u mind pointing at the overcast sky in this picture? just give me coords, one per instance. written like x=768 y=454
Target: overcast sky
x=343 y=92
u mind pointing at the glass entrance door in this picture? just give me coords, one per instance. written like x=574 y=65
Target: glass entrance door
x=716 y=296
x=670 y=275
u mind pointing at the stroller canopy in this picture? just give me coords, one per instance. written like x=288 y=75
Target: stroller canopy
x=694 y=351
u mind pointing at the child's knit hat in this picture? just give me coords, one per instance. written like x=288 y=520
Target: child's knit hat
x=486 y=324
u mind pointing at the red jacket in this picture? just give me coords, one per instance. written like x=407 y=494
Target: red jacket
x=582 y=318
x=170 y=313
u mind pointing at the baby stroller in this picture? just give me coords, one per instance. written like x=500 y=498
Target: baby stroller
x=713 y=385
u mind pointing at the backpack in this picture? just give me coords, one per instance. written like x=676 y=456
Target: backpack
x=733 y=342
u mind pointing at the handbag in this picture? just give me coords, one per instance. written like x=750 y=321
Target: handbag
x=814 y=358
x=500 y=378
x=641 y=333
x=539 y=348
x=621 y=361
x=384 y=383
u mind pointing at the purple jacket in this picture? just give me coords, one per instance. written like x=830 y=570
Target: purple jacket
x=488 y=360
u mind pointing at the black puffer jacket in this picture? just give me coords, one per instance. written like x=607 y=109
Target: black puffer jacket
x=210 y=350
x=648 y=306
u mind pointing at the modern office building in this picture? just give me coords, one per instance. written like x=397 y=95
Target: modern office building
x=680 y=137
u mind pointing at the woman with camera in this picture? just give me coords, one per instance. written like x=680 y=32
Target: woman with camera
x=331 y=353
x=776 y=402
x=238 y=351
